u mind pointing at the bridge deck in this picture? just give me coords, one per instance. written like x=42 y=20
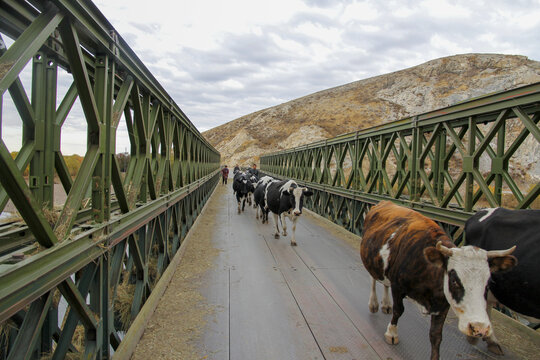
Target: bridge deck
x=273 y=301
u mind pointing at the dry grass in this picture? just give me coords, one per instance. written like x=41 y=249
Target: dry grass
x=124 y=300
x=77 y=340
x=339 y=349
x=12 y=218
x=4 y=68
x=69 y=356
x=153 y=275
x=63 y=227
x=179 y=319
x=51 y=214
x=5 y=329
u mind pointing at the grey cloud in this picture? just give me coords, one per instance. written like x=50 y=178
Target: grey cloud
x=148 y=28
x=324 y=3
x=271 y=75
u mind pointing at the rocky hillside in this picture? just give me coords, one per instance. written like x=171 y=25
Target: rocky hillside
x=328 y=113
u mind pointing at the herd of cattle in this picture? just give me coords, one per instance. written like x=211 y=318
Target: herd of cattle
x=284 y=198
x=413 y=257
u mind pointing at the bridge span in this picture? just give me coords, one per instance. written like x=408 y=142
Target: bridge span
x=75 y=275
x=260 y=298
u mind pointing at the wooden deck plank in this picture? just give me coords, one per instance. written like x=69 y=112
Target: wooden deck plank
x=335 y=333
x=256 y=311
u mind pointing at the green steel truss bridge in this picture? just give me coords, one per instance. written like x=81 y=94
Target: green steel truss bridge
x=117 y=221
x=86 y=268
x=445 y=163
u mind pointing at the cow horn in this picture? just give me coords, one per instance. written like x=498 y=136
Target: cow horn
x=496 y=253
x=443 y=249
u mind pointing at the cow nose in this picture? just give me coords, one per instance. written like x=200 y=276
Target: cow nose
x=478 y=329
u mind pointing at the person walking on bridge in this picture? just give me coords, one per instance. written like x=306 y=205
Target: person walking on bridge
x=225 y=175
x=253 y=170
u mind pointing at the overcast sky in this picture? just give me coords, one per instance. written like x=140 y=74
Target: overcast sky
x=221 y=59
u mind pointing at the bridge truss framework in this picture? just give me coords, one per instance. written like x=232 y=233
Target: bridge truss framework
x=446 y=163
x=119 y=228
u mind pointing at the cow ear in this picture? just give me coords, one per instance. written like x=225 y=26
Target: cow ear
x=435 y=257
x=502 y=263
x=308 y=192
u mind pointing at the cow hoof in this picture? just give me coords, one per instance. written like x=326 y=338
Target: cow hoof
x=284 y=234
x=276 y=236
x=391 y=339
x=472 y=340
x=293 y=243
x=386 y=309
x=495 y=349
x=373 y=308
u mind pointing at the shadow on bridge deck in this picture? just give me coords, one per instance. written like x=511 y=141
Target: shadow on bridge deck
x=273 y=301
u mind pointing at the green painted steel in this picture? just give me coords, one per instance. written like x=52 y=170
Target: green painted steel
x=446 y=163
x=84 y=270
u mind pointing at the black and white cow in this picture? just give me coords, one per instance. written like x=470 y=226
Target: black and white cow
x=259 y=198
x=241 y=187
x=253 y=180
x=518 y=288
x=286 y=198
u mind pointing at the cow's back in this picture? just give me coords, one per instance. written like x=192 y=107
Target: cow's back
x=519 y=288
x=273 y=195
x=258 y=194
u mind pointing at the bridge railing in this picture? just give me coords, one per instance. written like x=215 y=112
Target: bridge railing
x=83 y=270
x=446 y=163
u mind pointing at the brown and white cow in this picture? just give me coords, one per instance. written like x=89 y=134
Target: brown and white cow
x=412 y=255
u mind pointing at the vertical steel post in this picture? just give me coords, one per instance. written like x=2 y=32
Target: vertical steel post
x=468 y=164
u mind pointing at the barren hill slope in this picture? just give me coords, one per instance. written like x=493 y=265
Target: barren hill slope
x=360 y=104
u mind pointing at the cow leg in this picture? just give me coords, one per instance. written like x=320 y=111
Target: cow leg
x=373 y=301
x=283 y=224
x=386 y=303
x=391 y=334
x=276 y=219
x=244 y=204
x=257 y=212
x=293 y=239
x=239 y=210
x=492 y=342
x=435 y=333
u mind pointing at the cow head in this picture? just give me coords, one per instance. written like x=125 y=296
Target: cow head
x=466 y=274
x=242 y=183
x=296 y=196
